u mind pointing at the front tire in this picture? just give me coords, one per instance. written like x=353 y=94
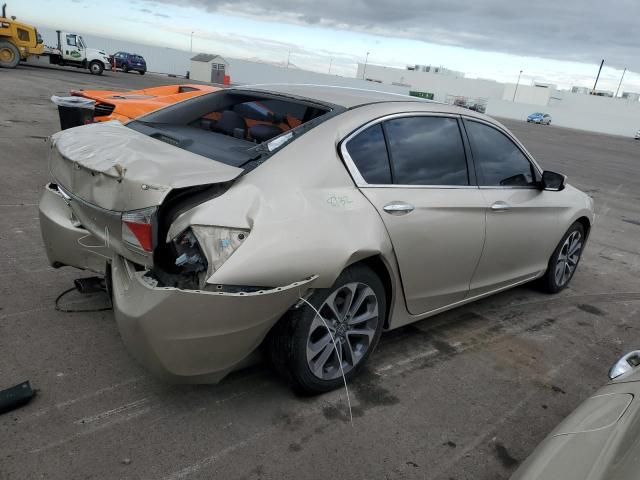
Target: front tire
x=564 y=261
x=96 y=68
x=125 y=68
x=9 y=54
x=312 y=354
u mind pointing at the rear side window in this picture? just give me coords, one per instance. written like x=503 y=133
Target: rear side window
x=369 y=152
x=499 y=162
x=426 y=151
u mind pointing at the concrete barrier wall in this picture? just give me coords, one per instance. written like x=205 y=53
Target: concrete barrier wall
x=584 y=112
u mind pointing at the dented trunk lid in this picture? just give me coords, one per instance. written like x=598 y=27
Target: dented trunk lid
x=104 y=169
x=116 y=168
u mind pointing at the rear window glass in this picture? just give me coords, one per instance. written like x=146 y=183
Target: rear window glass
x=369 y=153
x=236 y=127
x=426 y=151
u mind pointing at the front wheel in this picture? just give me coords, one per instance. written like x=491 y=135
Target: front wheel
x=96 y=68
x=314 y=347
x=564 y=261
x=9 y=55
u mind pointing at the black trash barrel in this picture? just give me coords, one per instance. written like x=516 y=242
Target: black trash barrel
x=74 y=111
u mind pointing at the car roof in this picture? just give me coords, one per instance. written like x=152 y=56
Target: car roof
x=346 y=97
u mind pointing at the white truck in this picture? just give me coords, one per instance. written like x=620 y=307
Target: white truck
x=73 y=51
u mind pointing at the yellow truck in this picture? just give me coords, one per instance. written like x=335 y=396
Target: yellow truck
x=17 y=41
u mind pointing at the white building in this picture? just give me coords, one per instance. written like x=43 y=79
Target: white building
x=436 y=70
x=581 y=90
x=440 y=87
x=631 y=96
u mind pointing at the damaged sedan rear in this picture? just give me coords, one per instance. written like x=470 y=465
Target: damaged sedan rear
x=281 y=216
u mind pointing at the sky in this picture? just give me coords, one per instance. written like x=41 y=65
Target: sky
x=560 y=41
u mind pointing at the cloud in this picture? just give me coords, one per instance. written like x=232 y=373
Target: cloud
x=573 y=30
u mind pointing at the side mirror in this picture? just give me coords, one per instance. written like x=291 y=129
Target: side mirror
x=625 y=364
x=553 y=181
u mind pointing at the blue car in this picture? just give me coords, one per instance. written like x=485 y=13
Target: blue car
x=541 y=118
x=130 y=62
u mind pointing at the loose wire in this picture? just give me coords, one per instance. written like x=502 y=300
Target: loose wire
x=344 y=378
x=76 y=310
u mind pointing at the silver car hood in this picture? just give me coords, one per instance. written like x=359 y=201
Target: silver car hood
x=116 y=168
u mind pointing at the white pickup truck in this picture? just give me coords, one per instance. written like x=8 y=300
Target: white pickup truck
x=73 y=51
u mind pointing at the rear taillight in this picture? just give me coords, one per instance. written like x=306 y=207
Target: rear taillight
x=137 y=228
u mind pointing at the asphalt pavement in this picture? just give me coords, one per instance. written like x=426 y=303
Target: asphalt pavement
x=467 y=394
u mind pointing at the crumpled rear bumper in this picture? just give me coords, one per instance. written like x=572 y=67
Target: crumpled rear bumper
x=192 y=336
x=65 y=240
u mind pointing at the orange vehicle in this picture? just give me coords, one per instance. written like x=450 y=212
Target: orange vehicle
x=127 y=106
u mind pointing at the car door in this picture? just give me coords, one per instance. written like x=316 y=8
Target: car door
x=72 y=48
x=521 y=218
x=414 y=170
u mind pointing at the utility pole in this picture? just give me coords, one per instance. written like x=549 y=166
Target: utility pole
x=330 y=63
x=364 y=69
x=593 y=92
x=516 y=89
x=617 y=91
x=191 y=43
x=288 y=58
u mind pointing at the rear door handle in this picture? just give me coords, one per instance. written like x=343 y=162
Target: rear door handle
x=398 y=208
x=500 y=207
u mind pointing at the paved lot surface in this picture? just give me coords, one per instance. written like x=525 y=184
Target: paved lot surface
x=465 y=395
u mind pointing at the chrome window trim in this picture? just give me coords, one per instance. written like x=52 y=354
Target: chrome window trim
x=357 y=176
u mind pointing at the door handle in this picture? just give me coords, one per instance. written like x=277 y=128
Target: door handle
x=500 y=207
x=398 y=208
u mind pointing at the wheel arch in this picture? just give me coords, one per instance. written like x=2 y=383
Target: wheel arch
x=586 y=224
x=381 y=268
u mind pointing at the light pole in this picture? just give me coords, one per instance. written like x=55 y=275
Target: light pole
x=364 y=69
x=593 y=91
x=330 y=63
x=288 y=58
x=617 y=91
x=191 y=43
x=516 y=89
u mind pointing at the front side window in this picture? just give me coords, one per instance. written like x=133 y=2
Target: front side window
x=71 y=41
x=499 y=162
x=426 y=151
x=368 y=151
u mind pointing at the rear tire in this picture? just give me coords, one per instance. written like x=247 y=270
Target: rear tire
x=9 y=54
x=302 y=350
x=96 y=68
x=564 y=261
x=141 y=72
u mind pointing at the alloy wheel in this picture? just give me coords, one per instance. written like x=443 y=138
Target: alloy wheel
x=351 y=316
x=568 y=258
